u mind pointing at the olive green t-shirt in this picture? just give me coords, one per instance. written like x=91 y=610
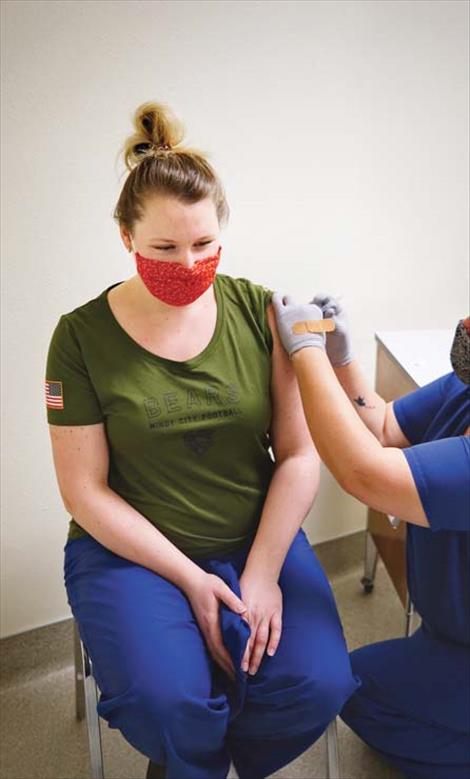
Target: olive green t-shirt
x=188 y=441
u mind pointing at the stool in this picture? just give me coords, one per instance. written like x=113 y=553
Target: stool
x=86 y=701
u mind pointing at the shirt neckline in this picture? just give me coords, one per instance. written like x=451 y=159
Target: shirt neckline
x=193 y=361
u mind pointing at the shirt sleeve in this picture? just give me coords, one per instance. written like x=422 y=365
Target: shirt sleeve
x=258 y=298
x=441 y=471
x=266 y=296
x=415 y=411
x=70 y=396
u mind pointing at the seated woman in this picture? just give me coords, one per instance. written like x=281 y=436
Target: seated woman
x=212 y=629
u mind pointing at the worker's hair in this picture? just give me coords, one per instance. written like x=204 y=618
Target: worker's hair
x=160 y=165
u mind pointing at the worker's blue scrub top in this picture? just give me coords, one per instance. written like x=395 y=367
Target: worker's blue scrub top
x=414 y=702
x=434 y=419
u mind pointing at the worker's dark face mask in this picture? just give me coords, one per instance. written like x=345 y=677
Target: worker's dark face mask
x=460 y=351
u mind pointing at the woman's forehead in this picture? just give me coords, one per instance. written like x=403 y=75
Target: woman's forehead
x=160 y=209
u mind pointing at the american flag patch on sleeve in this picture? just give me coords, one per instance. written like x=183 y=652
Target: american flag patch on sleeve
x=54 y=395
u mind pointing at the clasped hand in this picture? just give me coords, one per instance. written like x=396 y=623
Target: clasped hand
x=206 y=594
x=261 y=608
x=263 y=598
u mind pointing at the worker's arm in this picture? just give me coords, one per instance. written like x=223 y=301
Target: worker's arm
x=376 y=414
x=379 y=477
x=427 y=484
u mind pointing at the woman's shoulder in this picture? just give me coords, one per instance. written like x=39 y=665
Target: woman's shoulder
x=89 y=312
x=248 y=301
x=83 y=323
x=242 y=289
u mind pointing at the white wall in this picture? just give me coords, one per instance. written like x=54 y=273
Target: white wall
x=340 y=131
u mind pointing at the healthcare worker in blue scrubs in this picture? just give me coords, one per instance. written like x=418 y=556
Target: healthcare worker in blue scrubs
x=411 y=459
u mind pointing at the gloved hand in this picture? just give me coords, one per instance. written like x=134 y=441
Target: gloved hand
x=288 y=312
x=338 y=343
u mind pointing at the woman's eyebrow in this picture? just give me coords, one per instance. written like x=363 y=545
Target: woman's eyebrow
x=171 y=240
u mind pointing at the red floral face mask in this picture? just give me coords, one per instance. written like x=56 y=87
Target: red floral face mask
x=175 y=284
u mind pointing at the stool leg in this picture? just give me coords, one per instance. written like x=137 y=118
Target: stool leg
x=93 y=721
x=79 y=681
x=413 y=620
x=332 y=757
x=370 y=564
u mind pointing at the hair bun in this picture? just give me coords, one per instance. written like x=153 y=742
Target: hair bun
x=160 y=164
x=156 y=128
x=142 y=148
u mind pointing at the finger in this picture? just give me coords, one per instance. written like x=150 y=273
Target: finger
x=225 y=661
x=327 y=303
x=249 y=645
x=210 y=628
x=229 y=598
x=226 y=664
x=259 y=647
x=275 y=634
x=321 y=299
x=246 y=656
x=289 y=300
x=222 y=662
x=219 y=656
x=218 y=650
x=218 y=642
x=276 y=300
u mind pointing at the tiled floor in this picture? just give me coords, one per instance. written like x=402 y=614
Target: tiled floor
x=40 y=738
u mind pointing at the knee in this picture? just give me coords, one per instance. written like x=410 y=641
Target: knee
x=368 y=667
x=329 y=694
x=313 y=699
x=141 y=701
x=353 y=710
x=156 y=704
x=142 y=712
x=176 y=713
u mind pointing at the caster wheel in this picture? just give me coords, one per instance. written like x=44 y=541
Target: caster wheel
x=367 y=584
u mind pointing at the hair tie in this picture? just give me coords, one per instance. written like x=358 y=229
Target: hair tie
x=144 y=148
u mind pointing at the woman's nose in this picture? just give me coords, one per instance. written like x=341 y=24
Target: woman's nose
x=187 y=258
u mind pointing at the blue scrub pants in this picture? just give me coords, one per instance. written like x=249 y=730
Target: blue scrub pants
x=414 y=704
x=160 y=687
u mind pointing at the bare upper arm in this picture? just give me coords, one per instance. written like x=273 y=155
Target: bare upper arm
x=392 y=434
x=289 y=431
x=388 y=486
x=81 y=459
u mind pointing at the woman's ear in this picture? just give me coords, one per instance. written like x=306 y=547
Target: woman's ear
x=126 y=238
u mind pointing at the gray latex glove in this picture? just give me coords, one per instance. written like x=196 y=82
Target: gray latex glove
x=288 y=312
x=338 y=343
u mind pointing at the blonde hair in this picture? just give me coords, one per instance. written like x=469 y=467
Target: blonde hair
x=158 y=163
